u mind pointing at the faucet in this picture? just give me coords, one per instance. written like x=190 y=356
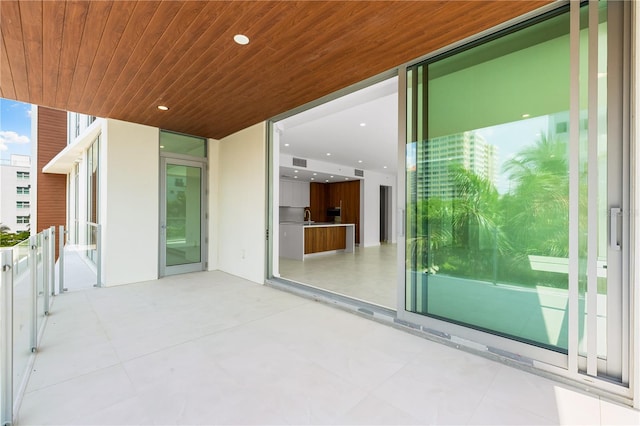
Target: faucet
x=305 y=215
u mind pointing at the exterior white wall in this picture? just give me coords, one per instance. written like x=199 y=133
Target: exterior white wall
x=213 y=200
x=370 y=208
x=129 y=201
x=241 y=172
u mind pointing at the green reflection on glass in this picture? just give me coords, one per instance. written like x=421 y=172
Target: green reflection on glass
x=183 y=245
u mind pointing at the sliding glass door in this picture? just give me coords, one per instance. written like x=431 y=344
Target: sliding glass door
x=514 y=188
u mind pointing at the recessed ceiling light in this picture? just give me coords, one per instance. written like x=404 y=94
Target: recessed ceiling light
x=363 y=124
x=328 y=153
x=241 y=39
x=331 y=176
x=346 y=178
x=526 y=115
x=286 y=144
x=326 y=180
x=359 y=161
x=163 y=108
x=295 y=177
x=313 y=178
x=315 y=174
x=295 y=171
x=384 y=167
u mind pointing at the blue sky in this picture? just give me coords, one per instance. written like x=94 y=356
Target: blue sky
x=15 y=128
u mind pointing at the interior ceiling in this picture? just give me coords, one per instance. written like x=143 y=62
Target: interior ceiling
x=121 y=59
x=359 y=130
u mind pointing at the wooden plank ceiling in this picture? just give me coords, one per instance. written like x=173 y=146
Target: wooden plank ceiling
x=120 y=59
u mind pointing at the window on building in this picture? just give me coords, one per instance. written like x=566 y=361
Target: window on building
x=22 y=204
x=23 y=190
x=22 y=219
x=22 y=175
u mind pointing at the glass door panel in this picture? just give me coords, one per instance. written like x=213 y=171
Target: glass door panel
x=489 y=188
x=182 y=221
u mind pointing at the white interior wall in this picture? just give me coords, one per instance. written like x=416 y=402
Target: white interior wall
x=242 y=197
x=370 y=208
x=129 y=198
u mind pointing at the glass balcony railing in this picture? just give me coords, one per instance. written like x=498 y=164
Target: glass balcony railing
x=27 y=282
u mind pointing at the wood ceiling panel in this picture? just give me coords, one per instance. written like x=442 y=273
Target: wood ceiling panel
x=51 y=46
x=164 y=63
x=92 y=32
x=116 y=23
x=166 y=45
x=200 y=57
x=126 y=51
x=121 y=59
x=11 y=27
x=74 y=18
x=157 y=27
x=6 y=81
x=31 y=21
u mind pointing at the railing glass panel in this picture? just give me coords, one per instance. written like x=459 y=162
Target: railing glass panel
x=22 y=312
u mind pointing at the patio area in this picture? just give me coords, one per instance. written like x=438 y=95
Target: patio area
x=211 y=348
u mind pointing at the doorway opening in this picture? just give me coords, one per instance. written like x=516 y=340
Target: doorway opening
x=334 y=166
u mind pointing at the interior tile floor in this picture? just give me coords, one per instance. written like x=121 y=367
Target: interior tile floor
x=369 y=274
x=211 y=348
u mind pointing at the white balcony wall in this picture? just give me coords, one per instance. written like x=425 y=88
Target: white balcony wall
x=129 y=202
x=241 y=216
x=213 y=200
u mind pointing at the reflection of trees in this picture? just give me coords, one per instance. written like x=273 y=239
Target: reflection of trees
x=483 y=235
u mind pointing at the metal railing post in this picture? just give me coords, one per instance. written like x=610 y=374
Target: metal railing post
x=99 y=255
x=61 y=259
x=52 y=264
x=6 y=337
x=46 y=258
x=33 y=265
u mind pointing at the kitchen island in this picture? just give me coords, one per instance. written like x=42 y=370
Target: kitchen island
x=299 y=240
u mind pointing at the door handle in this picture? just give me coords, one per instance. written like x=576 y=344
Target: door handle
x=613 y=228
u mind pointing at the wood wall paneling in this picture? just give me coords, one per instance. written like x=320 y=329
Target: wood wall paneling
x=349 y=194
x=52 y=188
x=318 y=200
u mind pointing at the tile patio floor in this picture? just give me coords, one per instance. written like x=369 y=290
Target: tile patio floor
x=211 y=348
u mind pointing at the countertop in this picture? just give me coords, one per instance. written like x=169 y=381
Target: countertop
x=316 y=224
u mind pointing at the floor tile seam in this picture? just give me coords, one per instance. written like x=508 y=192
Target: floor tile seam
x=197 y=338
x=79 y=376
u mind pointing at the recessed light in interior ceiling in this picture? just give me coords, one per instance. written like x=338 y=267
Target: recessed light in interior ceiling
x=328 y=154
x=241 y=39
x=163 y=108
x=315 y=174
x=295 y=171
x=286 y=144
x=363 y=124
x=384 y=167
x=313 y=178
x=326 y=180
x=359 y=161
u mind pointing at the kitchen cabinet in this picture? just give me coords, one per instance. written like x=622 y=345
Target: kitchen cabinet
x=294 y=194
